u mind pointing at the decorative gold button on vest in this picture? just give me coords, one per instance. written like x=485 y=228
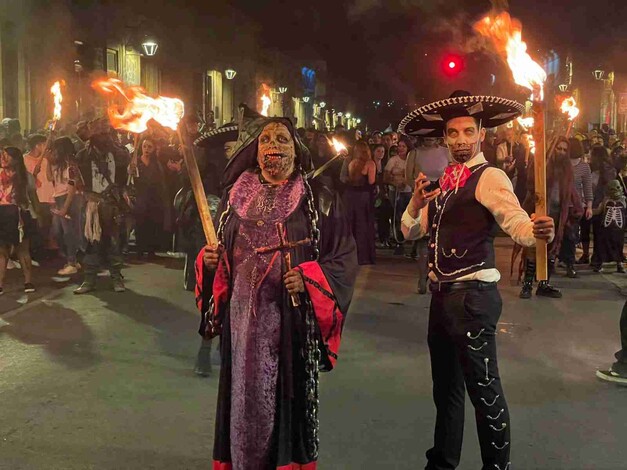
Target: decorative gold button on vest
x=433 y=245
x=260 y=223
x=434 y=226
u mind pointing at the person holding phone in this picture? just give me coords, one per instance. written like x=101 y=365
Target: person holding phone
x=462 y=218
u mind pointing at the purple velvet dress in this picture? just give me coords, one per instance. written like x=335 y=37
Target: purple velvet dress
x=255 y=315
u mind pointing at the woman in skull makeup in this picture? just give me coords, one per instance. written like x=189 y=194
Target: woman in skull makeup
x=282 y=282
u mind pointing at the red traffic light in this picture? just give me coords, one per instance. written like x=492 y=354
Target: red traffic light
x=452 y=65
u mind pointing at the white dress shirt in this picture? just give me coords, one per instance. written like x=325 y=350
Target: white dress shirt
x=495 y=192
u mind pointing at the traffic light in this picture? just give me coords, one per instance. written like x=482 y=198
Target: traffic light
x=452 y=65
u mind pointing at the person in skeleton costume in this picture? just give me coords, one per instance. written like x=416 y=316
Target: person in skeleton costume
x=282 y=281
x=462 y=219
x=103 y=167
x=609 y=241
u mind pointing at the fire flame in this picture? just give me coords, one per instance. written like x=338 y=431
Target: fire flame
x=505 y=34
x=139 y=108
x=569 y=106
x=338 y=146
x=55 y=90
x=527 y=122
x=265 y=104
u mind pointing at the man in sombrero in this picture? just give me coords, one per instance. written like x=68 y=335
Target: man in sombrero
x=462 y=217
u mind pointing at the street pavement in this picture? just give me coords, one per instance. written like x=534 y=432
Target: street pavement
x=105 y=381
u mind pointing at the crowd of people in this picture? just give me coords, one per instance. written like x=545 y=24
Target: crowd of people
x=81 y=195
x=86 y=193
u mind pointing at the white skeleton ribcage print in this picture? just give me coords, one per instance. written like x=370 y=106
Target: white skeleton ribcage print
x=614 y=215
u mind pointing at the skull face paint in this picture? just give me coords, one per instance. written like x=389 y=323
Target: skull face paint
x=275 y=151
x=463 y=138
x=614 y=190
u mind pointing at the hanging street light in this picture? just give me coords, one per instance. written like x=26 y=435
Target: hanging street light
x=305 y=99
x=563 y=87
x=358 y=121
x=230 y=74
x=340 y=114
x=598 y=74
x=322 y=104
x=348 y=115
x=150 y=47
x=282 y=89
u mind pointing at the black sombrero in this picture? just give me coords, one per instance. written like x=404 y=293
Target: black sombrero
x=430 y=120
x=226 y=133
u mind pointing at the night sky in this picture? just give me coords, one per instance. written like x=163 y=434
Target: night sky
x=380 y=45
x=392 y=50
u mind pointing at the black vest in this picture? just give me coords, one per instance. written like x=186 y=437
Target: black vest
x=462 y=232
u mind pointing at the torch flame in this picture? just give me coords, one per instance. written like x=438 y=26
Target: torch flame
x=139 y=108
x=55 y=90
x=505 y=34
x=265 y=104
x=569 y=106
x=527 y=122
x=338 y=146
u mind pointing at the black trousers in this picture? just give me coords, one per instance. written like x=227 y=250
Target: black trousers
x=462 y=342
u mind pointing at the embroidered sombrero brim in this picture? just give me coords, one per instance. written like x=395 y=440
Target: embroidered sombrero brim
x=430 y=120
x=218 y=136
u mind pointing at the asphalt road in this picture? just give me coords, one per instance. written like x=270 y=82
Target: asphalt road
x=105 y=381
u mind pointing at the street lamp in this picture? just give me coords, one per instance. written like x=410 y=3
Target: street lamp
x=348 y=115
x=598 y=74
x=305 y=99
x=282 y=89
x=563 y=87
x=340 y=114
x=230 y=74
x=150 y=47
x=358 y=121
x=322 y=104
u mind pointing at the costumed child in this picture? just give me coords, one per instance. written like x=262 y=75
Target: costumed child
x=609 y=240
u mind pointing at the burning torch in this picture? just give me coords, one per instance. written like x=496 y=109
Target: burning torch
x=57 y=96
x=140 y=108
x=340 y=152
x=506 y=36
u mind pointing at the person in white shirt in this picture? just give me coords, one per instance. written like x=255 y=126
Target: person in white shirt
x=37 y=165
x=462 y=218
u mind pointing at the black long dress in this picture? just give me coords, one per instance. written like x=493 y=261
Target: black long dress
x=150 y=207
x=359 y=207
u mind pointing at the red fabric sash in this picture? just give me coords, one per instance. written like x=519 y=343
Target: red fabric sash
x=329 y=316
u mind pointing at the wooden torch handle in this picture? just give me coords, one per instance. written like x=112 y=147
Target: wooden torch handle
x=199 y=193
x=542 y=273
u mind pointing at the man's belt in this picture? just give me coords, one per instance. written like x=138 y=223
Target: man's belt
x=445 y=287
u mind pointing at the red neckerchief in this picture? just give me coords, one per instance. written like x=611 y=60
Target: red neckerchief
x=455 y=176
